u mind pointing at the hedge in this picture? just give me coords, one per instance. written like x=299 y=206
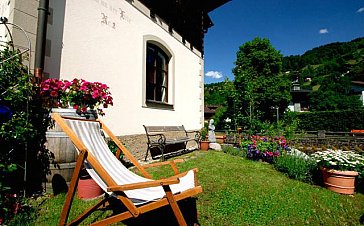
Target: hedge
x=331 y=120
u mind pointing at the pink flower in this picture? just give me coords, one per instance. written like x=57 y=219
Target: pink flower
x=67 y=84
x=54 y=94
x=78 y=92
x=45 y=87
x=95 y=94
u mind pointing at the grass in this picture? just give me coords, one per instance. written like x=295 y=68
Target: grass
x=242 y=192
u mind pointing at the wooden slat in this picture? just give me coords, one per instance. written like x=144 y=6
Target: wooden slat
x=173 y=203
x=146 y=184
x=150 y=206
x=171 y=163
x=72 y=189
x=155 y=129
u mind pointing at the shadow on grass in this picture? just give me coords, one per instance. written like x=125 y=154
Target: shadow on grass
x=164 y=215
x=359 y=186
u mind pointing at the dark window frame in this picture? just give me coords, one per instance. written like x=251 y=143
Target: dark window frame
x=157 y=74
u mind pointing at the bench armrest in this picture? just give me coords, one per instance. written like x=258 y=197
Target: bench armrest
x=158 y=138
x=197 y=134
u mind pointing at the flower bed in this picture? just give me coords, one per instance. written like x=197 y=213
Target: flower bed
x=263 y=147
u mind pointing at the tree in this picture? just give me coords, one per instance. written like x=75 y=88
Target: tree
x=259 y=82
x=333 y=94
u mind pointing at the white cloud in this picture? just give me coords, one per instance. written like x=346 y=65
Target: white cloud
x=361 y=10
x=324 y=31
x=214 y=74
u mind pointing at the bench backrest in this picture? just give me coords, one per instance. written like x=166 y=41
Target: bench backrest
x=163 y=129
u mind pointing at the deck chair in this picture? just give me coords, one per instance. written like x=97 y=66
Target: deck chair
x=139 y=194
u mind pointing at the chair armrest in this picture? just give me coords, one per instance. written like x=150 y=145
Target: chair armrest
x=157 y=164
x=147 y=184
x=171 y=163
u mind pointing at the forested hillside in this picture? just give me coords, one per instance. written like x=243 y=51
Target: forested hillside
x=327 y=70
x=340 y=57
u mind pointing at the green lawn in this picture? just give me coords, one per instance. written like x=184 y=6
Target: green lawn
x=243 y=192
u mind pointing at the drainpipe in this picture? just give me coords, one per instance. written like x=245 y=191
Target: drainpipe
x=41 y=39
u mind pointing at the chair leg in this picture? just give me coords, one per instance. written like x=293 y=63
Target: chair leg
x=72 y=189
x=176 y=210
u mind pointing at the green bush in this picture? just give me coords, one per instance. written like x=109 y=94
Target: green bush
x=232 y=150
x=296 y=167
x=331 y=120
x=22 y=134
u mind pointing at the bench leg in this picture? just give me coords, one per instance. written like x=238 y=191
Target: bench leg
x=145 y=159
x=161 y=147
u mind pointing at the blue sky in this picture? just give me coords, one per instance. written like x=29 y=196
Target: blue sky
x=292 y=26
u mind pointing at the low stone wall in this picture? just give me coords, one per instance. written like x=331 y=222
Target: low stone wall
x=312 y=144
x=136 y=144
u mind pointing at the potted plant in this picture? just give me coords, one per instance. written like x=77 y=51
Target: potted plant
x=78 y=94
x=339 y=169
x=220 y=138
x=204 y=142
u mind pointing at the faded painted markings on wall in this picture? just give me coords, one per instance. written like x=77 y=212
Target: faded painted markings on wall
x=111 y=14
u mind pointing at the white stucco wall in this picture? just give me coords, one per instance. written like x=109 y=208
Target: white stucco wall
x=113 y=53
x=22 y=13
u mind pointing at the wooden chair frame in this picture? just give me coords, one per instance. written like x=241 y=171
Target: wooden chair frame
x=132 y=210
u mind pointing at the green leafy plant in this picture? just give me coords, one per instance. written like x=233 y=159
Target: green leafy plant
x=232 y=150
x=203 y=134
x=23 y=124
x=296 y=166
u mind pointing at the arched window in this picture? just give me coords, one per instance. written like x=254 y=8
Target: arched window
x=156 y=74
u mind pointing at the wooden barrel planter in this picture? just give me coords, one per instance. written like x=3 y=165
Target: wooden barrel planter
x=342 y=182
x=65 y=154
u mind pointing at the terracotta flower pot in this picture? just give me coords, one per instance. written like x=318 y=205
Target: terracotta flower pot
x=88 y=189
x=342 y=182
x=204 y=145
x=220 y=139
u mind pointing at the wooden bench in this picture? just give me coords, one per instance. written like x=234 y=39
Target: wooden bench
x=166 y=140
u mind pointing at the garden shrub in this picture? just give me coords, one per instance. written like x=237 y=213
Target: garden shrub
x=296 y=166
x=23 y=123
x=331 y=120
x=229 y=149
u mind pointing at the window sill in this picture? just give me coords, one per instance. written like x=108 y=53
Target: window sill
x=158 y=105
